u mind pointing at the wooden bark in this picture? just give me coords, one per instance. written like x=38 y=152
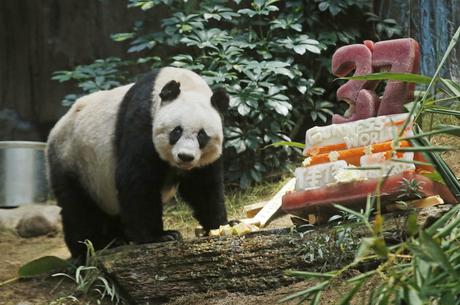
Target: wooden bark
x=155 y=273
x=38 y=37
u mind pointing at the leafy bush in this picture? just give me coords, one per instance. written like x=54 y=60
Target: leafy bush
x=272 y=56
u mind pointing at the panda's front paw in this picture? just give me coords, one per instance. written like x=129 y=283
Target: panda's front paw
x=169 y=235
x=233 y=222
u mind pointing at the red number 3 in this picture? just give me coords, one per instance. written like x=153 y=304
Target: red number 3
x=399 y=55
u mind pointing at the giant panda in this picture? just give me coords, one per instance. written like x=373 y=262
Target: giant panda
x=116 y=156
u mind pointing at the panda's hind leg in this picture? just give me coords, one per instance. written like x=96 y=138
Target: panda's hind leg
x=81 y=218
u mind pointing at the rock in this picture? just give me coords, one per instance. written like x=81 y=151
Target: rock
x=35 y=225
x=31 y=220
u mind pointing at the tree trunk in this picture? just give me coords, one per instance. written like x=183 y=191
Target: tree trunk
x=155 y=273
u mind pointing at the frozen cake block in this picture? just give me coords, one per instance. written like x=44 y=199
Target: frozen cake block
x=355 y=193
x=322 y=139
x=317 y=175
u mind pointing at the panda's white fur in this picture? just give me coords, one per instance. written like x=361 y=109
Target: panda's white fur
x=84 y=137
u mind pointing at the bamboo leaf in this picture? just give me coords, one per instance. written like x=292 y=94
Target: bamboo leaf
x=443 y=220
x=436 y=253
x=347 y=298
x=434 y=176
x=41 y=266
x=317 y=287
x=404 y=77
x=413 y=296
x=349 y=211
x=411 y=162
x=443 y=111
x=362 y=276
x=317 y=298
x=452 y=86
x=425 y=149
x=447 y=129
x=307 y=274
x=287 y=143
x=411 y=225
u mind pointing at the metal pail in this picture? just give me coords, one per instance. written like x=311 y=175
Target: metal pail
x=23 y=178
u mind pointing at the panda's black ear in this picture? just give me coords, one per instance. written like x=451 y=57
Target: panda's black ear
x=170 y=91
x=220 y=99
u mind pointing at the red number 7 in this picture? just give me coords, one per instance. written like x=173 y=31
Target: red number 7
x=399 y=55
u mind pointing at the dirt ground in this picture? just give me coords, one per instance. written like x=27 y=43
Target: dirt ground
x=15 y=251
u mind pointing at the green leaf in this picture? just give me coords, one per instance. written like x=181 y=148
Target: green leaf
x=122 y=36
x=404 y=77
x=425 y=149
x=435 y=252
x=413 y=297
x=306 y=292
x=443 y=111
x=446 y=129
x=349 y=296
x=41 y=266
x=452 y=86
x=308 y=275
x=287 y=143
x=434 y=176
x=364 y=248
x=411 y=225
x=349 y=211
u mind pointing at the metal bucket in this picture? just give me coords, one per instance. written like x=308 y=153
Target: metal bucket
x=23 y=178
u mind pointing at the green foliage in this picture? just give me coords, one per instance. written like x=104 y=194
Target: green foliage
x=89 y=278
x=272 y=56
x=103 y=74
x=422 y=270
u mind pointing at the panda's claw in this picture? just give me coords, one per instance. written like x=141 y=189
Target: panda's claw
x=233 y=222
x=169 y=235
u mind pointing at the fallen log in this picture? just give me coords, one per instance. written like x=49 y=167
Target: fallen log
x=156 y=273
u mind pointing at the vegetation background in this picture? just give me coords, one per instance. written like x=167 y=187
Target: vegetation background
x=273 y=57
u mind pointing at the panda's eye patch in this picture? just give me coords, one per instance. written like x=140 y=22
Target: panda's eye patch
x=175 y=135
x=203 y=138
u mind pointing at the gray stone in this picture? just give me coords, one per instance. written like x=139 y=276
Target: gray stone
x=35 y=225
x=31 y=220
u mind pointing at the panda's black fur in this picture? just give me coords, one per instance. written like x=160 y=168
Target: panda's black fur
x=140 y=176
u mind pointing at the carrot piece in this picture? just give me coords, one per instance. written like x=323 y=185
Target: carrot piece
x=353 y=155
x=315 y=150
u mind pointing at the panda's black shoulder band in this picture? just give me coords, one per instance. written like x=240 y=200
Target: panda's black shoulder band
x=170 y=91
x=220 y=99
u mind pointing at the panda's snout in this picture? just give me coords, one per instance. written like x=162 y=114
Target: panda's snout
x=186 y=157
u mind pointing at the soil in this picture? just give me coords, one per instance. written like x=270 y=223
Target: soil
x=16 y=251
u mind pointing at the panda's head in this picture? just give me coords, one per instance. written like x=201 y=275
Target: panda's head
x=187 y=126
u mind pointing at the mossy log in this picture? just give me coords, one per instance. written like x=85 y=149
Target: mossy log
x=156 y=273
